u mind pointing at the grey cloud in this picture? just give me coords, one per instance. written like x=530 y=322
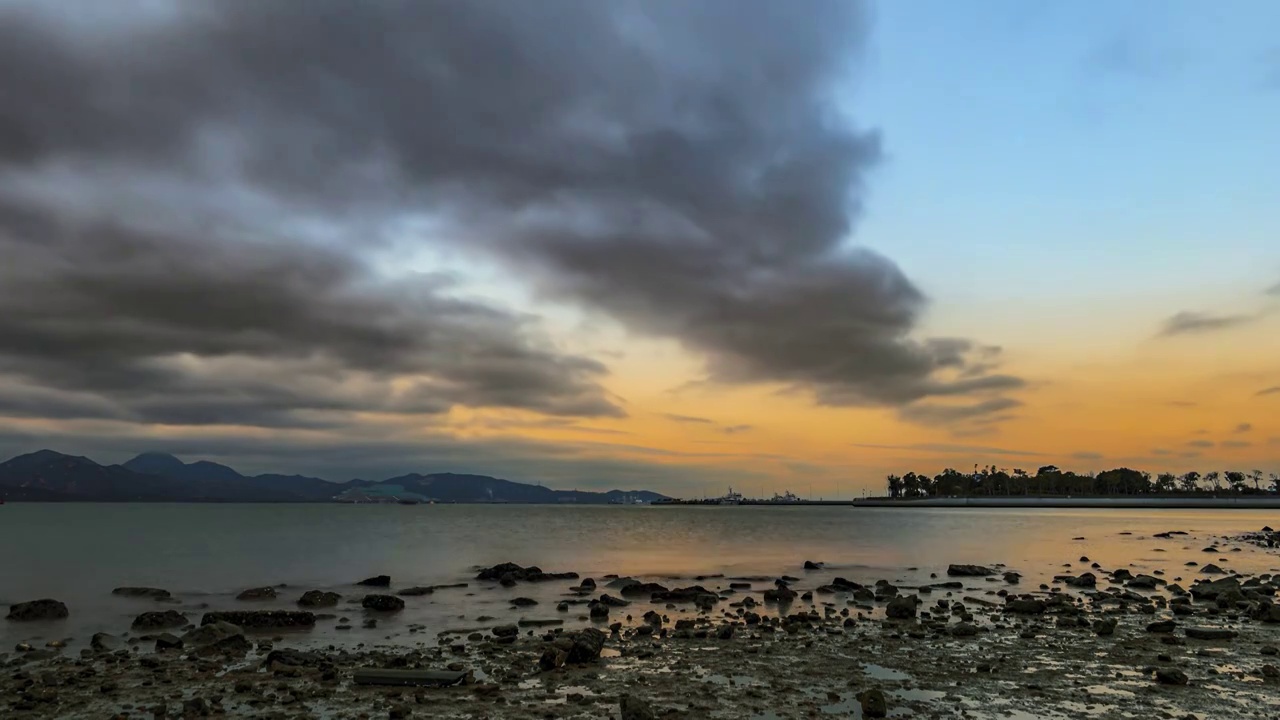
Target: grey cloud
x=687 y=419
x=736 y=429
x=939 y=414
x=1086 y=456
x=680 y=167
x=1274 y=290
x=104 y=320
x=1161 y=451
x=1268 y=391
x=1243 y=428
x=1186 y=323
x=1200 y=443
x=945 y=448
x=1235 y=444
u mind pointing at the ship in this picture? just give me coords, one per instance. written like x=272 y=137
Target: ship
x=730 y=498
x=786 y=497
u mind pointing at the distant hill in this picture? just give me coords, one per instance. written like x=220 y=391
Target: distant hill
x=50 y=476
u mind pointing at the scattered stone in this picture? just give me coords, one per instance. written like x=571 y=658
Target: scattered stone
x=902 y=607
x=159 y=620
x=633 y=708
x=811 y=565
x=1012 y=578
x=1162 y=626
x=167 y=641
x=376 y=581
x=1105 y=627
x=523 y=602
x=1026 y=606
x=217 y=637
x=1171 y=676
x=873 y=702
x=1197 y=633
x=262 y=618
x=102 y=642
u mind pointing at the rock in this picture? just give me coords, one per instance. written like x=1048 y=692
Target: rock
x=811 y=565
x=399 y=712
x=416 y=591
x=599 y=611
x=1270 y=671
x=1144 y=582
x=1211 y=590
x=515 y=572
x=262 y=618
x=376 y=581
x=1026 y=606
x=523 y=602
x=873 y=702
x=968 y=571
x=142 y=592
x=1082 y=580
x=577 y=648
x=506 y=631
x=43 y=609
x=159 y=620
x=1104 y=627
x=963 y=629
x=195 y=707
x=612 y=601
x=1196 y=633
x=1012 y=578
x=780 y=594
x=167 y=641
x=1211 y=569
x=102 y=642
x=1171 y=676
x=382 y=603
x=901 y=608
x=1162 y=626
x=217 y=637
x=258 y=593
x=633 y=708
x=319 y=598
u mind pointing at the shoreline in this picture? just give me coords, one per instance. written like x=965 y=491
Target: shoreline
x=1182 y=639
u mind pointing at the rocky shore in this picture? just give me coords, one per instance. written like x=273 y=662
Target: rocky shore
x=1194 y=640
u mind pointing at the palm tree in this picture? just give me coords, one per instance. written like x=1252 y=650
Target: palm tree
x=1190 y=482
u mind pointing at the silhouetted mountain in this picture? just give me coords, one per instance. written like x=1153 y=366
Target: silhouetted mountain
x=46 y=475
x=168 y=466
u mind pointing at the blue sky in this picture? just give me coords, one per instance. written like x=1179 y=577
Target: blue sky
x=1119 y=151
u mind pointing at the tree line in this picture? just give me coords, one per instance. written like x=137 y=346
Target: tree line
x=1050 y=480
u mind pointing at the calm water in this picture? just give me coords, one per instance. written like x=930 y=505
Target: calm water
x=205 y=554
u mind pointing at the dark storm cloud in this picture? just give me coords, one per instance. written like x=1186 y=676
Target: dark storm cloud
x=939 y=414
x=104 y=320
x=685 y=168
x=1186 y=323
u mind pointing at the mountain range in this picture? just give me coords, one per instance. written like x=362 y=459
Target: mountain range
x=48 y=476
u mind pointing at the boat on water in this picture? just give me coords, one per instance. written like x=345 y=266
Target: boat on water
x=730 y=498
x=786 y=497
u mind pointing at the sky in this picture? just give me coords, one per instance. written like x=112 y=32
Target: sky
x=664 y=245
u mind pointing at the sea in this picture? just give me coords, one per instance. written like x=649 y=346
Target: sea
x=205 y=554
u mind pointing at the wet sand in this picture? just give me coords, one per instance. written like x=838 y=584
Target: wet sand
x=968 y=646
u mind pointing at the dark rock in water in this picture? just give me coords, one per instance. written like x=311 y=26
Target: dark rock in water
x=102 y=642
x=1083 y=580
x=587 y=584
x=1162 y=626
x=1121 y=575
x=969 y=571
x=1211 y=569
x=1210 y=633
x=418 y=591
x=513 y=572
x=289 y=657
x=963 y=629
x=599 y=611
x=1144 y=582
x=142 y=592
x=693 y=593
x=639 y=589
x=382 y=603
x=901 y=608
x=261 y=618
x=612 y=601
x=1211 y=590
x=376 y=581
x=43 y=609
x=1171 y=676
x=633 y=708
x=523 y=602
x=576 y=648
x=780 y=594
x=159 y=620
x=1012 y=578
x=319 y=598
x=873 y=702
x=168 y=641
x=725 y=632
x=1025 y=606
x=217 y=637
x=811 y=565
x=1104 y=627
x=258 y=593
x=562 y=607
x=506 y=631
